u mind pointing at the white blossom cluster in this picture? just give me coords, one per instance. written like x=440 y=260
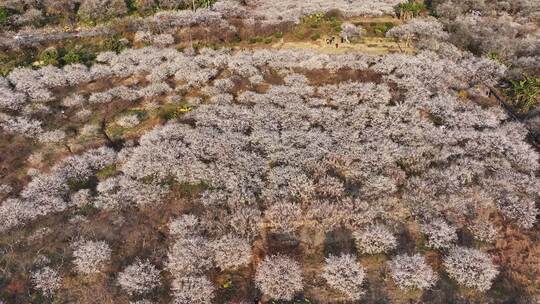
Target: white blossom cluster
x=231 y=252
x=189 y=257
x=139 y=278
x=483 y=231
x=470 y=267
x=291 y=10
x=49 y=192
x=440 y=235
x=47 y=280
x=345 y=274
x=91 y=256
x=279 y=277
x=375 y=239
x=296 y=124
x=412 y=272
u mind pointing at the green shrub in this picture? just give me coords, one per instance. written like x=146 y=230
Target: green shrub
x=314 y=20
x=413 y=7
x=525 y=93
x=204 y=3
x=236 y=39
x=131 y=6
x=48 y=56
x=114 y=44
x=76 y=53
x=315 y=36
x=278 y=35
x=382 y=28
x=255 y=39
x=4 y=15
x=71 y=57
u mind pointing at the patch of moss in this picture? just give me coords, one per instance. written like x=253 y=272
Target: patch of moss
x=108 y=171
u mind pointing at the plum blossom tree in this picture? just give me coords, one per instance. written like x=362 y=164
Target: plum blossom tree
x=419 y=28
x=440 y=235
x=188 y=256
x=101 y=9
x=412 y=272
x=350 y=32
x=186 y=225
x=192 y=289
x=470 y=267
x=47 y=280
x=279 y=277
x=345 y=274
x=91 y=256
x=139 y=278
x=231 y=252
x=375 y=239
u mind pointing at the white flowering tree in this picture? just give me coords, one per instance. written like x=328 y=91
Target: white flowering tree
x=470 y=267
x=279 y=277
x=140 y=277
x=412 y=272
x=345 y=274
x=375 y=239
x=91 y=257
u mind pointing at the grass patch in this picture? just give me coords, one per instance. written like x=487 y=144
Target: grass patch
x=76 y=185
x=380 y=29
x=106 y=172
x=316 y=26
x=11 y=60
x=189 y=189
x=173 y=111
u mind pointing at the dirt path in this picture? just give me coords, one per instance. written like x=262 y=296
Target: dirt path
x=382 y=19
x=368 y=45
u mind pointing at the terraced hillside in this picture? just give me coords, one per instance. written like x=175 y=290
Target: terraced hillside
x=268 y=152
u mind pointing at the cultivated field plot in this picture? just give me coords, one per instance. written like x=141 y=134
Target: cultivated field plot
x=282 y=151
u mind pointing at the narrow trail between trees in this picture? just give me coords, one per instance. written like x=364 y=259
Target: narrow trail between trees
x=369 y=45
